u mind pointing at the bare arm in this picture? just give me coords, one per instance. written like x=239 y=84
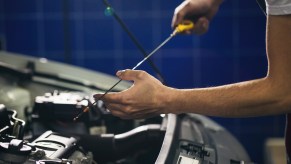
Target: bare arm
x=266 y=96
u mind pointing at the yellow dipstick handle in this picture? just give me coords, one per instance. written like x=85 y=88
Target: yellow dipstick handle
x=184 y=26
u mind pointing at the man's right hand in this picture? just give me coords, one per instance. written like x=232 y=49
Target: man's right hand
x=198 y=11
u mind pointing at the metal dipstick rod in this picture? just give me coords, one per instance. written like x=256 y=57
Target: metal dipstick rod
x=186 y=25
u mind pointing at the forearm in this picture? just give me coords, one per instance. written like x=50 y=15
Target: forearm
x=266 y=96
x=251 y=98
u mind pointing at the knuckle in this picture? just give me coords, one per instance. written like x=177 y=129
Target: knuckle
x=141 y=74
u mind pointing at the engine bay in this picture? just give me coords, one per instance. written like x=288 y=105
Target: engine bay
x=39 y=100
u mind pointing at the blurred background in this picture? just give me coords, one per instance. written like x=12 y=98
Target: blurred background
x=82 y=33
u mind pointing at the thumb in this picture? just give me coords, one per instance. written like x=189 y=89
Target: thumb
x=131 y=75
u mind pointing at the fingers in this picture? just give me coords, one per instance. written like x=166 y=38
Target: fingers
x=201 y=26
x=118 y=110
x=124 y=112
x=131 y=103
x=109 y=97
x=194 y=11
x=179 y=14
x=131 y=75
x=114 y=109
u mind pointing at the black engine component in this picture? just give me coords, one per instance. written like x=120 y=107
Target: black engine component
x=63 y=106
x=14 y=151
x=9 y=124
x=110 y=147
x=55 y=111
x=50 y=147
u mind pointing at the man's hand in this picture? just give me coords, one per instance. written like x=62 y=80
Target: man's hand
x=143 y=100
x=198 y=11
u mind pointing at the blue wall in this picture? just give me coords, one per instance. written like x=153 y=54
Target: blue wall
x=233 y=50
